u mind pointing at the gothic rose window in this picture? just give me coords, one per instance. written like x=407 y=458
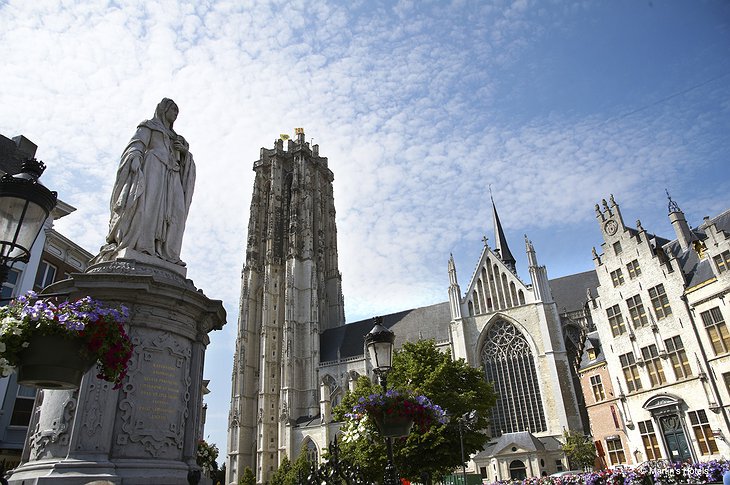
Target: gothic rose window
x=510 y=366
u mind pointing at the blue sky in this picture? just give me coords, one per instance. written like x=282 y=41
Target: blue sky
x=420 y=107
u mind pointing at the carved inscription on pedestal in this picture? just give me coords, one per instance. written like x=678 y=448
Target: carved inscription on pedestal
x=160 y=390
x=155 y=403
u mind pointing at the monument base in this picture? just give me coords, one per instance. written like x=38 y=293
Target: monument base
x=146 y=431
x=139 y=260
x=66 y=472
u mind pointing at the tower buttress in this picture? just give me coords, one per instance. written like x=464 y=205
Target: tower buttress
x=538 y=275
x=454 y=291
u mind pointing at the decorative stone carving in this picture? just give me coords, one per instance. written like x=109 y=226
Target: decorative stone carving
x=153 y=190
x=154 y=408
x=158 y=269
x=92 y=418
x=55 y=429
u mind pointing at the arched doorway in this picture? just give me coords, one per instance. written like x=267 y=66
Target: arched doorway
x=517 y=470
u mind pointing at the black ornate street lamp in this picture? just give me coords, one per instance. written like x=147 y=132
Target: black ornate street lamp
x=24 y=206
x=379 y=342
x=468 y=418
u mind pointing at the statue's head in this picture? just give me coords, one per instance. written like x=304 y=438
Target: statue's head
x=161 y=112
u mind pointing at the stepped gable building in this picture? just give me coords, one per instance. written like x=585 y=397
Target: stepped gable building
x=295 y=358
x=657 y=371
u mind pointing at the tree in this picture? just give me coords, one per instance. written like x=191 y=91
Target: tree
x=368 y=451
x=452 y=384
x=290 y=473
x=220 y=475
x=580 y=450
x=280 y=475
x=300 y=469
x=248 y=477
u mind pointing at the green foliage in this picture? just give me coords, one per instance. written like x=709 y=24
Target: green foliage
x=369 y=450
x=290 y=473
x=248 y=477
x=580 y=450
x=300 y=468
x=452 y=384
x=363 y=387
x=219 y=476
x=279 y=476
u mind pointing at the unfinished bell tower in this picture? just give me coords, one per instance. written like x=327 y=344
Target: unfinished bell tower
x=290 y=292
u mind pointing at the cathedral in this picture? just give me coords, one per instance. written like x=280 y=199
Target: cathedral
x=295 y=356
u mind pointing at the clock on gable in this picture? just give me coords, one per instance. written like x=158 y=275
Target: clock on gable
x=610 y=227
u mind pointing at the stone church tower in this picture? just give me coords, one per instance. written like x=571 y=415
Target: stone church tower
x=291 y=292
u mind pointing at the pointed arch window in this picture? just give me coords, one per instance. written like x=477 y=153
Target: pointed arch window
x=311 y=450
x=510 y=365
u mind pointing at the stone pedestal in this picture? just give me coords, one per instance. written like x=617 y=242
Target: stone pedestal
x=145 y=432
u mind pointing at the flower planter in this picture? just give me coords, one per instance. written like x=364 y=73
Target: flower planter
x=393 y=425
x=53 y=362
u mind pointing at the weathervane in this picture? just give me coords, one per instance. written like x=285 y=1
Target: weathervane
x=673 y=206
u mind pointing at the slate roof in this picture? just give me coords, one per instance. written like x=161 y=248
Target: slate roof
x=697 y=271
x=430 y=322
x=722 y=222
x=569 y=292
x=13 y=152
x=521 y=439
x=10 y=157
x=592 y=342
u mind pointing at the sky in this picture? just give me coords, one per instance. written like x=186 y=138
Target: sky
x=420 y=106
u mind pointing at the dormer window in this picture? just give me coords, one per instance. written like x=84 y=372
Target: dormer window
x=592 y=354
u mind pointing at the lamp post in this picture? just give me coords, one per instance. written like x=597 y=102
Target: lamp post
x=469 y=418
x=379 y=342
x=24 y=206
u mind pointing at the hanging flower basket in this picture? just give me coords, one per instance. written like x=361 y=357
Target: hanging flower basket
x=394 y=413
x=393 y=425
x=54 y=345
x=52 y=362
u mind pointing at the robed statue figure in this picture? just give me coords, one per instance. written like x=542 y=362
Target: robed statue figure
x=152 y=192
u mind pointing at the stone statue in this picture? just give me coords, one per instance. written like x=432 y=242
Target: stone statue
x=152 y=193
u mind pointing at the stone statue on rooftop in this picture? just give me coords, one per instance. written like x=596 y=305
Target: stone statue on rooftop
x=152 y=193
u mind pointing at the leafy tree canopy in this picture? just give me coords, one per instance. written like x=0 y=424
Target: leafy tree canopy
x=290 y=473
x=279 y=476
x=580 y=449
x=452 y=384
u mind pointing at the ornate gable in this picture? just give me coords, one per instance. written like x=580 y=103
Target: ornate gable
x=493 y=287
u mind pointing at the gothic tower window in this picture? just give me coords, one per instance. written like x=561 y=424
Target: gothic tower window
x=510 y=365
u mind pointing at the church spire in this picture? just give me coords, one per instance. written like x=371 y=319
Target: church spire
x=538 y=275
x=454 y=291
x=500 y=243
